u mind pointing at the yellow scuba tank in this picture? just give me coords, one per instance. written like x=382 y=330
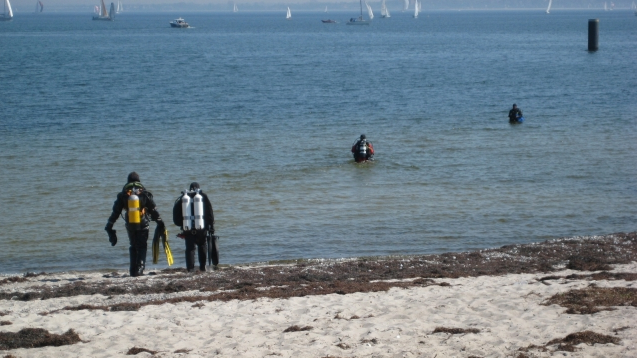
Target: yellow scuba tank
x=134 y=214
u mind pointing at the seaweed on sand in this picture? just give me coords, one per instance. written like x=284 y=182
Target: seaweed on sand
x=136 y=350
x=568 y=343
x=323 y=277
x=296 y=328
x=455 y=330
x=36 y=337
x=594 y=299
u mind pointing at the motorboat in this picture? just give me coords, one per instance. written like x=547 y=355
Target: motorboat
x=179 y=23
x=328 y=21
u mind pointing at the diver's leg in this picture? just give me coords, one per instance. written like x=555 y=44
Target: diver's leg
x=190 y=252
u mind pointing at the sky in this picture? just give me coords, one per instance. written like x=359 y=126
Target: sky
x=257 y=5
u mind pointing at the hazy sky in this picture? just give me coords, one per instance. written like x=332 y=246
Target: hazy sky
x=247 y=5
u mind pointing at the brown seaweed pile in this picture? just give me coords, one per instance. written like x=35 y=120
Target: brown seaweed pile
x=296 y=328
x=136 y=350
x=455 y=330
x=36 y=337
x=594 y=299
x=568 y=343
x=320 y=277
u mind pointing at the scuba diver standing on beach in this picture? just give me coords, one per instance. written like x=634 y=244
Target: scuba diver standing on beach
x=140 y=210
x=362 y=149
x=193 y=213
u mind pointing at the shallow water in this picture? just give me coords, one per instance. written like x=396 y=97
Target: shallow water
x=262 y=113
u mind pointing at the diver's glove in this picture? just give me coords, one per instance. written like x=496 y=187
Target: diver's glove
x=112 y=236
x=160 y=225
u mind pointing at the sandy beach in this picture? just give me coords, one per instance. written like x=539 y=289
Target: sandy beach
x=573 y=297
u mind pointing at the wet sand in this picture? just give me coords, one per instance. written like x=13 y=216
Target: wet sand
x=567 y=297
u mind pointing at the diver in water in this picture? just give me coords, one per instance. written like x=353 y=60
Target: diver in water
x=140 y=210
x=198 y=226
x=362 y=149
x=515 y=114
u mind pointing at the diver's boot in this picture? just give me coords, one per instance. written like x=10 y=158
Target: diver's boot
x=141 y=263
x=190 y=260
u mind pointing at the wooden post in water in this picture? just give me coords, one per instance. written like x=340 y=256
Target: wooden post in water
x=593 y=34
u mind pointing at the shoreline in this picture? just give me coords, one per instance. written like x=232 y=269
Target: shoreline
x=508 y=301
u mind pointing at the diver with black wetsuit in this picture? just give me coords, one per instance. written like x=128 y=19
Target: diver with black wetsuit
x=138 y=216
x=515 y=114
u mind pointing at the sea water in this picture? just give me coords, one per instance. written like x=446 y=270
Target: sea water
x=262 y=112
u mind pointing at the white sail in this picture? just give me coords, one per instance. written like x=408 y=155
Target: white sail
x=325 y=9
x=235 y=9
x=8 y=13
x=416 y=9
x=605 y=6
x=369 y=11
x=383 y=9
x=405 y=5
x=548 y=9
x=289 y=14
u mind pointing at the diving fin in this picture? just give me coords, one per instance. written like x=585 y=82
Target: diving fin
x=156 y=245
x=169 y=254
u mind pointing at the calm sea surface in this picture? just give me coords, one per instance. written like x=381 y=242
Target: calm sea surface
x=262 y=112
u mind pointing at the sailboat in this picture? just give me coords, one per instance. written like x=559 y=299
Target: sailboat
x=416 y=9
x=548 y=9
x=120 y=8
x=235 y=9
x=325 y=9
x=369 y=11
x=359 y=21
x=103 y=14
x=288 y=16
x=7 y=15
x=405 y=5
x=39 y=7
x=634 y=7
x=383 y=10
x=605 y=6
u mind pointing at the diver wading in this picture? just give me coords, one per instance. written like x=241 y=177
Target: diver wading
x=140 y=210
x=193 y=213
x=363 y=150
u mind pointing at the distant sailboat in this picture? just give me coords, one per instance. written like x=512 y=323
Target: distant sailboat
x=369 y=11
x=360 y=20
x=548 y=9
x=416 y=9
x=605 y=6
x=104 y=14
x=405 y=5
x=39 y=7
x=7 y=14
x=120 y=7
x=634 y=7
x=383 y=10
x=325 y=9
x=288 y=15
x=236 y=9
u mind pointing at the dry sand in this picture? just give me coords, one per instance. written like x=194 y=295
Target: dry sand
x=504 y=314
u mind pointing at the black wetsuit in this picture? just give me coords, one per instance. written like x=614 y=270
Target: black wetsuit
x=137 y=236
x=196 y=237
x=514 y=114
